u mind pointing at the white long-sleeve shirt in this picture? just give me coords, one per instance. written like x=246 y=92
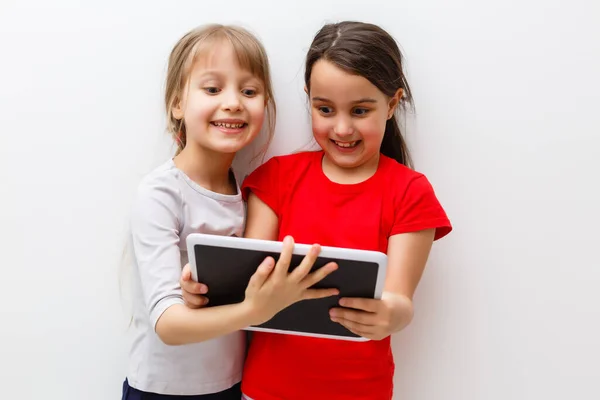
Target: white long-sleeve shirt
x=168 y=207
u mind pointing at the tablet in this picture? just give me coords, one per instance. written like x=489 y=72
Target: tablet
x=225 y=264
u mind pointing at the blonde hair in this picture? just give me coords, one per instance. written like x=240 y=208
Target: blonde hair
x=251 y=56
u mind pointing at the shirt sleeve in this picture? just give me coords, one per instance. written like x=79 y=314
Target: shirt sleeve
x=155 y=239
x=418 y=209
x=264 y=182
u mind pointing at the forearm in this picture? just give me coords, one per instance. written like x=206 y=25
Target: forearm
x=180 y=325
x=402 y=310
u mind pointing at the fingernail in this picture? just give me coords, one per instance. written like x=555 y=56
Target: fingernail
x=203 y=289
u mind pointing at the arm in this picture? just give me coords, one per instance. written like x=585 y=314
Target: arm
x=155 y=225
x=419 y=219
x=262 y=222
x=181 y=325
x=271 y=289
x=377 y=319
x=407 y=256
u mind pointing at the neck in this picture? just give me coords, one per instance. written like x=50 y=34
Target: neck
x=350 y=175
x=208 y=168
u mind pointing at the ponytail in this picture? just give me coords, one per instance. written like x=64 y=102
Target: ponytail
x=394 y=145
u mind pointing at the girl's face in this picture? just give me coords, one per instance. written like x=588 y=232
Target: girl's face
x=222 y=105
x=349 y=115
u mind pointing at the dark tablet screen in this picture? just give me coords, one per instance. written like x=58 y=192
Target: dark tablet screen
x=226 y=272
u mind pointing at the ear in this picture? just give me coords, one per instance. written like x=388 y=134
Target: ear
x=394 y=101
x=305 y=89
x=176 y=110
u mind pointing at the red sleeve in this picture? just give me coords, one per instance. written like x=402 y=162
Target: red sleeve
x=419 y=209
x=264 y=182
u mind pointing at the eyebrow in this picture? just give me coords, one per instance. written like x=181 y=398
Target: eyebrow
x=208 y=75
x=217 y=74
x=364 y=100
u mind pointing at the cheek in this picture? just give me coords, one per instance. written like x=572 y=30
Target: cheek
x=256 y=109
x=320 y=127
x=199 y=107
x=371 y=129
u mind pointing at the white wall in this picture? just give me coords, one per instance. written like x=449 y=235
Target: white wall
x=507 y=129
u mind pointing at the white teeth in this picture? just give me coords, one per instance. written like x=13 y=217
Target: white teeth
x=226 y=125
x=346 y=144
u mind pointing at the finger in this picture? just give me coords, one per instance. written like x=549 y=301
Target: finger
x=370 y=305
x=305 y=266
x=359 y=317
x=186 y=273
x=188 y=284
x=285 y=258
x=193 y=287
x=319 y=274
x=194 y=301
x=310 y=294
x=354 y=327
x=262 y=273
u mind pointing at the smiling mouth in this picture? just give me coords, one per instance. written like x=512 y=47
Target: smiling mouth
x=346 y=145
x=229 y=125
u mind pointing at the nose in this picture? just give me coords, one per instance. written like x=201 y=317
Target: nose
x=231 y=101
x=343 y=127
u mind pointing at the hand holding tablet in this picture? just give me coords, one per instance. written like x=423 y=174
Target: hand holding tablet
x=273 y=287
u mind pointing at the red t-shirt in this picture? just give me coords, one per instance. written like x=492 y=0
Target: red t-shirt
x=313 y=209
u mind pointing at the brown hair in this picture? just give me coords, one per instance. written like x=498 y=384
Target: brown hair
x=366 y=50
x=250 y=54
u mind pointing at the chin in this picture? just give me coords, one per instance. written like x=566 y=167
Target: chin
x=228 y=149
x=231 y=146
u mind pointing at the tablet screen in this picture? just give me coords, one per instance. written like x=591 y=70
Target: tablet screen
x=226 y=272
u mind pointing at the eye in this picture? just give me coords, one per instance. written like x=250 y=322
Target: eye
x=325 y=110
x=361 y=111
x=212 y=90
x=249 y=92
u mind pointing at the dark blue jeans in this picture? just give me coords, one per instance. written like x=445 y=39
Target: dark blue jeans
x=129 y=393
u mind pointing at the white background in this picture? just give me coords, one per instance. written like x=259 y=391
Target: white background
x=507 y=129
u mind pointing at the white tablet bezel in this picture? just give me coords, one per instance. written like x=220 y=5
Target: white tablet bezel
x=299 y=249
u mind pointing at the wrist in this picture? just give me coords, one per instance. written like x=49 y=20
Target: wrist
x=250 y=312
x=401 y=308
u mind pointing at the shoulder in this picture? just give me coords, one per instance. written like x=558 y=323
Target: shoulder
x=159 y=191
x=285 y=165
x=302 y=157
x=164 y=178
x=399 y=177
x=273 y=179
x=295 y=161
x=414 y=201
x=407 y=185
